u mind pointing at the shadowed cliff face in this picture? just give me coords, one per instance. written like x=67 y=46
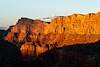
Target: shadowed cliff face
x=34 y=37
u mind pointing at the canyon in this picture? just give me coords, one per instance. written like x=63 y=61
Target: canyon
x=34 y=37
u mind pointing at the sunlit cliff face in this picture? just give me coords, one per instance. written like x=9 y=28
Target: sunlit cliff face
x=36 y=36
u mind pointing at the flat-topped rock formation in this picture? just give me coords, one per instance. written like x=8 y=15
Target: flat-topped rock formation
x=34 y=37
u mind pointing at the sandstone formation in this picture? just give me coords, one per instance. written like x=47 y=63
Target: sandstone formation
x=36 y=36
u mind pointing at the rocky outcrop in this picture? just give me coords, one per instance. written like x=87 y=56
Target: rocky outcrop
x=25 y=28
x=36 y=36
x=77 y=24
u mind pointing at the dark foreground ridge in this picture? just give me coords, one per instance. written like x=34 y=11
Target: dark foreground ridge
x=9 y=54
x=79 y=55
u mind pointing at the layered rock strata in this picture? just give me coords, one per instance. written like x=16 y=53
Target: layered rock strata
x=34 y=37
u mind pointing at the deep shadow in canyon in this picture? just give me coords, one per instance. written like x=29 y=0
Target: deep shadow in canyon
x=79 y=55
x=9 y=54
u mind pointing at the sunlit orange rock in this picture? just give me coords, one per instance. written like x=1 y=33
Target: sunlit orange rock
x=27 y=49
x=62 y=31
x=40 y=50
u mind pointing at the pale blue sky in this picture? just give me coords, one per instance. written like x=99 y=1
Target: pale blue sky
x=12 y=10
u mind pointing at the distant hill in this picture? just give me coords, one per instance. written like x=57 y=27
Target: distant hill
x=3 y=33
x=3 y=28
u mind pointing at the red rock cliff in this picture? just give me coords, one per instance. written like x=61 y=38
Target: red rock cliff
x=62 y=31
